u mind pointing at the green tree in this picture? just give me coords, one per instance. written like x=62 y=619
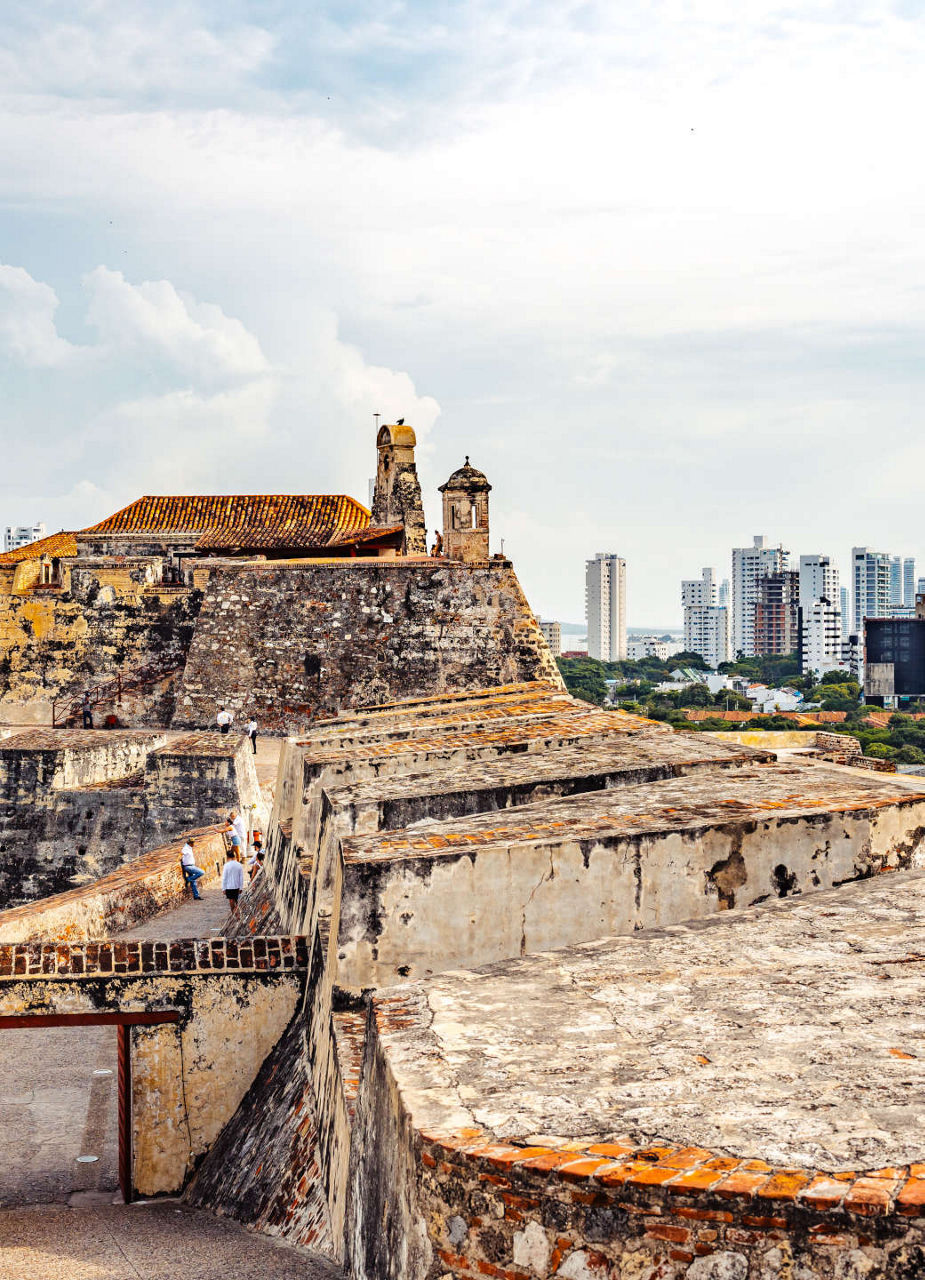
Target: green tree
x=695 y=695
x=692 y=660
x=584 y=678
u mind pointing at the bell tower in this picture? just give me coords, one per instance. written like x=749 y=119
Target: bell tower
x=397 y=496
x=465 y=515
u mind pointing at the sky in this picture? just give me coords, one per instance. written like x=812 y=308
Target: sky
x=658 y=268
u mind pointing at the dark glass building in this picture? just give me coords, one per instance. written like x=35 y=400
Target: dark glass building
x=894 y=659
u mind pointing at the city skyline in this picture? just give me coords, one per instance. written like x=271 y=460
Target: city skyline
x=843 y=579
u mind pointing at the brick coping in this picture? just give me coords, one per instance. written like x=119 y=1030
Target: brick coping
x=663 y=1168
x=689 y=1172
x=44 y=960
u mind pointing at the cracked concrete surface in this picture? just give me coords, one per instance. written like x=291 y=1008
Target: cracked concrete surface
x=792 y=1033
x=53 y=1109
x=159 y=1240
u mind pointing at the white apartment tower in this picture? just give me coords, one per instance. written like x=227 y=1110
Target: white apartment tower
x=706 y=623
x=16 y=536
x=818 y=581
x=822 y=637
x=605 y=607
x=749 y=566
x=872 y=580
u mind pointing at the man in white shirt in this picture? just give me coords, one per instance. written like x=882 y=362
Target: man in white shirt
x=191 y=873
x=252 y=733
x=223 y=720
x=232 y=880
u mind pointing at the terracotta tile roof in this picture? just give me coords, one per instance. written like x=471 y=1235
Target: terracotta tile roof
x=57 y=544
x=243 y=520
x=718 y=713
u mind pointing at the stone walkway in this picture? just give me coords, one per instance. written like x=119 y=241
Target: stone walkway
x=191 y=920
x=158 y=1240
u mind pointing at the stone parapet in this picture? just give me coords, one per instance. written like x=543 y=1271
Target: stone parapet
x=145 y=887
x=670 y=1104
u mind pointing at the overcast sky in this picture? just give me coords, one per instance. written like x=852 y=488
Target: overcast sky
x=659 y=268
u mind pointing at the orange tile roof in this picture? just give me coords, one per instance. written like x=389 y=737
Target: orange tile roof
x=243 y=520
x=718 y=713
x=57 y=544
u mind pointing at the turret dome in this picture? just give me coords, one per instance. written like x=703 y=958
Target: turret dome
x=467 y=478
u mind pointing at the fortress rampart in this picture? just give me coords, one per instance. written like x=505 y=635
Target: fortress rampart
x=76 y=804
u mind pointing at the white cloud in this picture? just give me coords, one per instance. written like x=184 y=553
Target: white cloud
x=661 y=265
x=152 y=321
x=184 y=441
x=128 y=50
x=27 y=320
x=178 y=396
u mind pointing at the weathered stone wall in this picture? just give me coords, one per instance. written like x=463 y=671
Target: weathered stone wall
x=75 y=805
x=408 y=904
x=680 y=1103
x=610 y=1212
x=188 y=1077
x=195 y=777
x=53 y=646
x=143 y=888
x=290 y=643
x=296 y=1117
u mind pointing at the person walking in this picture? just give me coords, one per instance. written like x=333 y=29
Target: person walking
x=223 y=720
x=252 y=733
x=86 y=711
x=191 y=873
x=232 y=880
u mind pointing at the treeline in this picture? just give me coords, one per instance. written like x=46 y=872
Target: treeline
x=903 y=740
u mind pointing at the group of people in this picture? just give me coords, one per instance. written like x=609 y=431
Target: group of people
x=225 y=720
x=233 y=870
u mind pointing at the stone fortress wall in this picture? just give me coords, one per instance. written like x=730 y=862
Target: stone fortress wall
x=285 y=641
x=76 y=804
x=295 y=642
x=136 y=892
x=54 y=645
x=415 y=1170
x=526 y=989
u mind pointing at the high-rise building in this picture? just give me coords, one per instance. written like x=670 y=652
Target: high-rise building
x=896 y=579
x=605 y=607
x=821 y=637
x=553 y=633
x=16 y=536
x=872 y=578
x=777 y=613
x=723 y=599
x=920 y=587
x=749 y=566
x=894 y=666
x=902 y=580
x=844 y=600
x=706 y=623
x=818 y=580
